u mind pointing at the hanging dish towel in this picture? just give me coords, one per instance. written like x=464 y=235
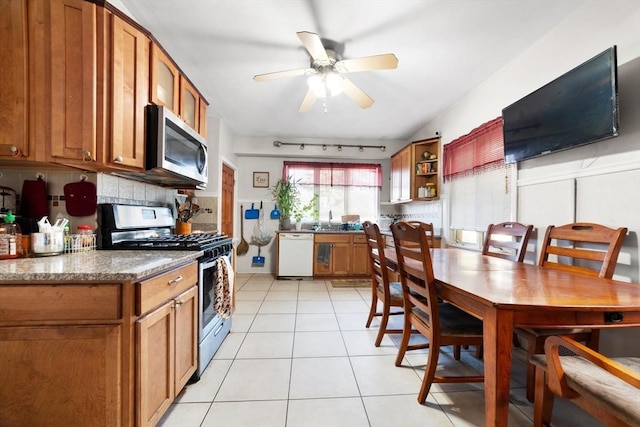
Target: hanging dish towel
x=80 y=198
x=224 y=287
x=34 y=201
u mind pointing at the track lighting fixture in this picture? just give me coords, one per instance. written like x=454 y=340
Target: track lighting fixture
x=324 y=146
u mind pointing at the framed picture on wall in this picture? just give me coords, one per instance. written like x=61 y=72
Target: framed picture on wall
x=261 y=179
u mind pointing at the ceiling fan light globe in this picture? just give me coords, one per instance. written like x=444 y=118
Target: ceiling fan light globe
x=333 y=82
x=316 y=84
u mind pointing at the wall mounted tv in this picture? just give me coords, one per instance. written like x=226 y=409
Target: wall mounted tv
x=577 y=108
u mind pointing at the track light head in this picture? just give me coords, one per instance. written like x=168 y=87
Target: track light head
x=302 y=146
x=339 y=147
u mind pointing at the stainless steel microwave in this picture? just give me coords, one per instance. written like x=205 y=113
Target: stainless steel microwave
x=176 y=155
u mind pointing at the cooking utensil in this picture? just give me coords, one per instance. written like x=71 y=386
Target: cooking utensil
x=275 y=213
x=257 y=261
x=243 y=247
x=252 y=213
x=80 y=198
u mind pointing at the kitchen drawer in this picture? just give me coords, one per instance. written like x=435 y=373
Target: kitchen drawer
x=69 y=302
x=332 y=238
x=152 y=292
x=359 y=238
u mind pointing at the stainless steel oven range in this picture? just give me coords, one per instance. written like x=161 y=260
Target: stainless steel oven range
x=131 y=227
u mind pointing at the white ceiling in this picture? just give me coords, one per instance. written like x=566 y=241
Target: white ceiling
x=444 y=48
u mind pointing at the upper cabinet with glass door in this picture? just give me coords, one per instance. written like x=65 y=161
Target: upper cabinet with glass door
x=172 y=89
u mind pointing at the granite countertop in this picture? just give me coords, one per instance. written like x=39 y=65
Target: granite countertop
x=94 y=265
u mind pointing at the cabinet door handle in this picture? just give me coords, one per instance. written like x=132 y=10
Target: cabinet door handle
x=118 y=159
x=178 y=304
x=86 y=156
x=174 y=281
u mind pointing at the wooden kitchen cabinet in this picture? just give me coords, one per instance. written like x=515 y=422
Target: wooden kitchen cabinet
x=360 y=255
x=426 y=162
x=415 y=167
x=165 y=80
x=91 y=353
x=70 y=116
x=346 y=257
x=171 y=88
x=75 y=83
x=167 y=340
x=61 y=352
x=129 y=92
x=401 y=175
x=15 y=138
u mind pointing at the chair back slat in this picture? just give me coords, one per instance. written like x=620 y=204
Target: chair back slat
x=507 y=240
x=416 y=270
x=584 y=248
x=377 y=260
x=428 y=229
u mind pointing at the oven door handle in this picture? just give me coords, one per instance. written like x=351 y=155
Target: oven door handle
x=175 y=281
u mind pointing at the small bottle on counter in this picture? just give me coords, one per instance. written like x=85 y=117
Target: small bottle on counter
x=86 y=236
x=10 y=238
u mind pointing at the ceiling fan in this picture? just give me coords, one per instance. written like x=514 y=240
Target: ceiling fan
x=327 y=71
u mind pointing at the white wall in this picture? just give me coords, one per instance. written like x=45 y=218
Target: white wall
x=247 y=195
x=595 y=183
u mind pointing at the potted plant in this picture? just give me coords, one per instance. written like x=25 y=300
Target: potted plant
x=300 y=212
x=287 y=197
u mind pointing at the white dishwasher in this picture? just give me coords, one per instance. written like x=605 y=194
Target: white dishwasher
x=295 y=255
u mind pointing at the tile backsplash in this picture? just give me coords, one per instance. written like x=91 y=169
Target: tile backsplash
x=109 y=189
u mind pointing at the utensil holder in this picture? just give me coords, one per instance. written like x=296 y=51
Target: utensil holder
x=183 y=227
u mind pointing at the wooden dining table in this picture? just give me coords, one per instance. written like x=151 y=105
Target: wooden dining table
x=504 y=294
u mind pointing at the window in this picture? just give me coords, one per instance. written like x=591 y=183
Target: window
x=479 y=183
x=342 y=188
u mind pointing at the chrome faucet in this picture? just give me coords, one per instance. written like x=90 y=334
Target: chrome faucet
x=330 y=217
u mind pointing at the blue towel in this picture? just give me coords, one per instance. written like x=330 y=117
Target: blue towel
x=324 y=253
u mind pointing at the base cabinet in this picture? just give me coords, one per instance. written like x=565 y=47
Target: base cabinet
x=96 y=354
x=78 y=364
x=166 y=346
x=347 y=255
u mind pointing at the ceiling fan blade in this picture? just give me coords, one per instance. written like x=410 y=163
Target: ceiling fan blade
x=307 y=102
x=313 y=44
x=366 y=63
x=357 y=94
x=281 y=74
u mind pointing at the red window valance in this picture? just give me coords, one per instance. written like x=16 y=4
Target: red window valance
x=334 y=174
x=481 y=147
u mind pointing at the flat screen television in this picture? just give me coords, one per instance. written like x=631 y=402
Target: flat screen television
x=577 y=108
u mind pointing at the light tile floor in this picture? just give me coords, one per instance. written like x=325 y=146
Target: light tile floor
x=299 y=355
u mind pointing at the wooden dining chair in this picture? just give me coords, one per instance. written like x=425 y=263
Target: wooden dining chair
x=382 y=289
x=507 y=240
x=608 y=389
x=441 y=323
x=428 y=227
x=583 y=248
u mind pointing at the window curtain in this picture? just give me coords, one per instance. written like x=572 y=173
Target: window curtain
x=477 y=178
x=334 y=174
x=481 y=147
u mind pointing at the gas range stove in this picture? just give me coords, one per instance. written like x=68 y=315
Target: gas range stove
x=132 y=227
